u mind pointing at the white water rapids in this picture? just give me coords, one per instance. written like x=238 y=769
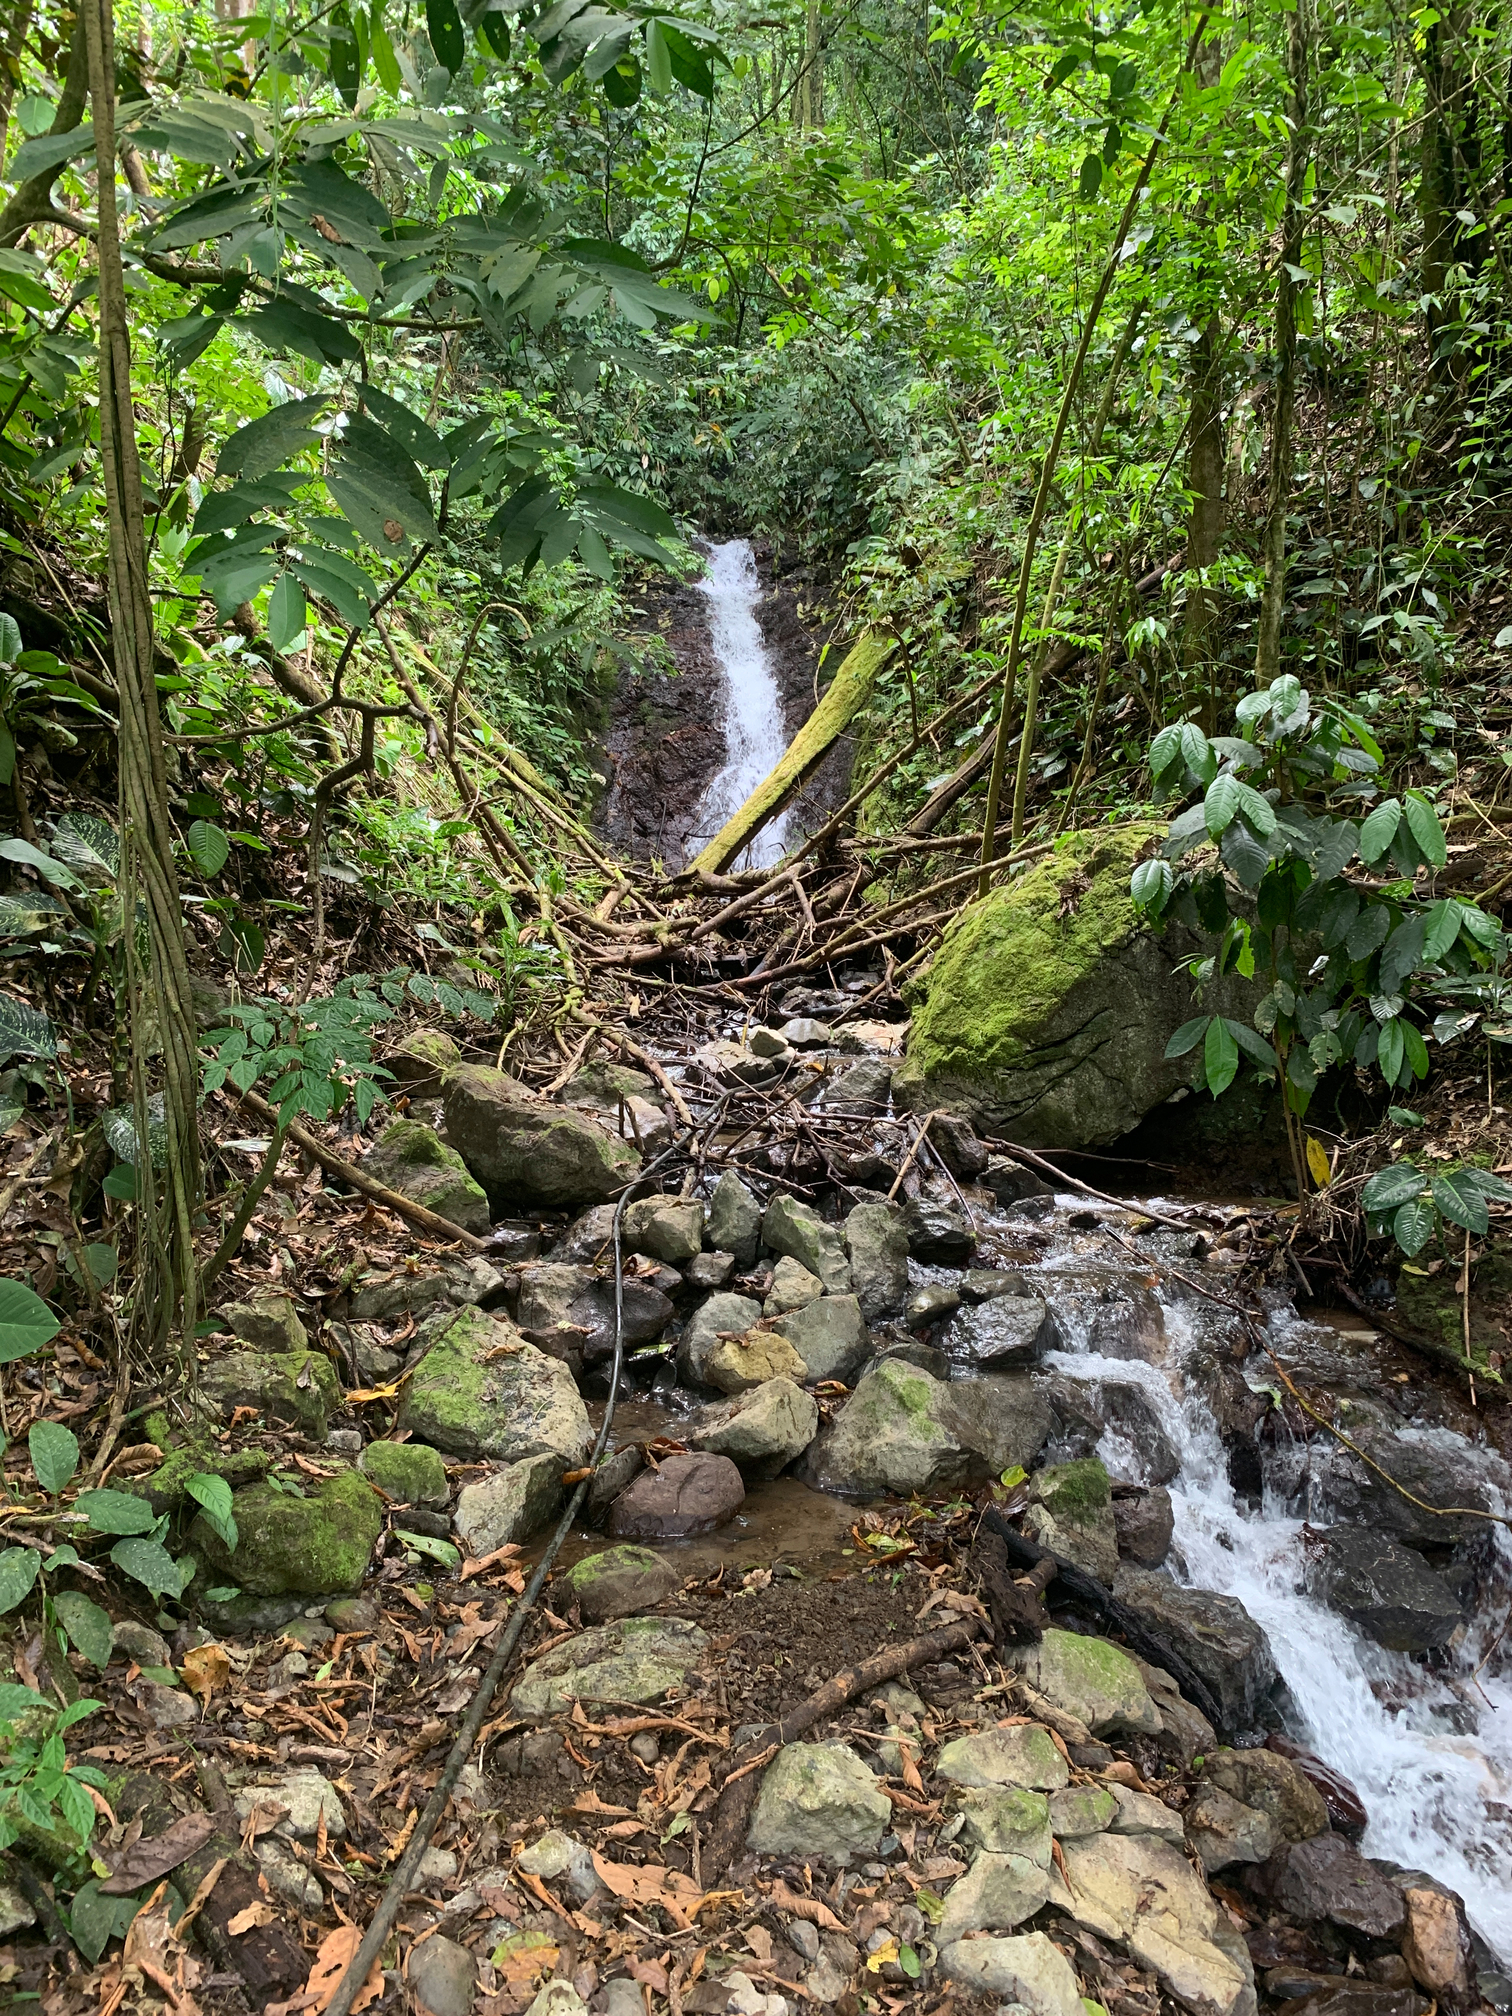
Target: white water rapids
x=754 y=732
x=1430 y=1751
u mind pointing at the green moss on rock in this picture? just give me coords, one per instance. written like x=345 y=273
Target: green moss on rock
x=314 y=1546
x=168 y=1485
x=410 y=1472
x=1431 y=1308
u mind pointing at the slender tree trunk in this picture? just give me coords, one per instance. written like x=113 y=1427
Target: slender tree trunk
x=1205 y=468
x=10 y=63
x=162 y=1014
x=1273 y=545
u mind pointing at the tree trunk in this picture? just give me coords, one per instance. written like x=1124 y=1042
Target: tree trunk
x=1273 y=545
x=162 y=1014
x=1205 y=526
x=10 y=64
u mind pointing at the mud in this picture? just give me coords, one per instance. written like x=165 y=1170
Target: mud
x=665 y=740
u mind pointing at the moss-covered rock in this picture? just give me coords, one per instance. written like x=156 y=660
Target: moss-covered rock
x=413 y=1159
x=421 y=1061
x=903 y=1430
x=621 y=1582
x=1046 y=1012
x=313 y=1546
x=410 y=1472
x=1071 y=1512
x=267 y=1321
x=1092 y=1680
x=525 y=1150
x=481 y=1390
x=1431 y=1308
x=298 y=1388
x=167 y=1487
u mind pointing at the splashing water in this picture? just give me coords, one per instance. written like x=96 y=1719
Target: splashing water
x=754 y=732
x=1430 y=1751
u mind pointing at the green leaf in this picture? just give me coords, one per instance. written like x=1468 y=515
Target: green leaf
x=1221 y=804
x=1388 y=1188
x=57 y=872
x=18 y=1701
x=1461 y=1201
x=1413 y=1226
x=1089 y=181
x=1379 y=830
x=284 y=326
x=421 y=440
x=18 y=1571
x=438 y=1550
x=49 y=151
x=1259 y=811
x=1426 y=830
x=85 y=841
x=258 y=448
x=658 y=59
x=1443 y=927
x=116 y=1512
x=1389 y=1050
x=443 y=24
x=26 y=1322
x=209 y=849
x=54 y=1454
x=151 y=1564
x=92 y=1919
x=213 y=1495
x=1254 y=1045
x=87 y=1625
x=1188 y=1036
x=1368 y=932
x=1220 y=1056
x=1150 y=885
x=121 y=1183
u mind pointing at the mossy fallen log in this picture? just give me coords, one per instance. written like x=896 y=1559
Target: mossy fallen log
x=847 y=695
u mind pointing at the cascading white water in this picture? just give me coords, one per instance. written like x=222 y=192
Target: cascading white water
x=753 y=725
x=1430 y=1751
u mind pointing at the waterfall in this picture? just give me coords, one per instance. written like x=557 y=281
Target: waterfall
x=754 y=732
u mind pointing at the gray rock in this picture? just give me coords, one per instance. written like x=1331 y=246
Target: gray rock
x=830 y=1337
x=985 y=1284
x=864 y=1088
x=1440 y=1468
x=308 y=1797
x=734 y=1219
x=509 y=1505
x=793 y=1228
x=615 y=1471
x=556 y=1858
x=768 y=1043
x=721 y=1315
x=1142 y=1813
x=634 y=1659
x=1022 y=1756
x=1093 y=1680
x=559 y=1998
x=818 y=1799
x=297 y=1388
x=706 y=1272
x=1215 y=1634
x=1089 y=1408
x=1143 y=1893
x=472 y=1279
x=1070 y=1511
x=381 y=1300
x=165 y=1707
x=1007 y=1332
x=1029 y=1971
x=287 y=1875
x=588 y=1241
x=623 y=1997
x=803 y=1033
x=903 y=1431
x=415 y=1161
x=740 y=1364
x=1081 y=1809
x=668 y=1228
x=139 y=1642
x=684 y=1495
x=761 y=1431
x=620 y=1582
x=1185 y=1732
x=1384 y=1589
x=803 y=1938
x=1221 y=1832
x=931 y=1304
x=1007 y=1821
x=267 y=1321
x=793 y=1287
x=877 y=1243
x=937 y=1235
x=523 y=1150
x=481 y=1390
x=443 y=1976
x=579 y=1303
x=1011 y=1182
x=1272 y=1785
x=996 y=1893
x=420 y=1061
x=1145 y=1525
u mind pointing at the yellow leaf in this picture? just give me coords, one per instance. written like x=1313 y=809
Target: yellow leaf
x=1317 y=1162
x=205 y=1668
x=880 y=1958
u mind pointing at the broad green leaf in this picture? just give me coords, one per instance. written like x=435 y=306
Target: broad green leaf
x=1221 y=804
x=259 y=447
x=1443 y=928
x=1390 y=1187
x=17 y=1701
x=26 y=1322
x=1489 y=1186
x=87 y=1625
x=284 y=325
x=151 y=1564
x=1151 y=884
x=1389 y=1050
x=92 y=1919
x=658 y=59
x=209 y=849
x=1414 y=1049
x=1413 y=1226
x=50 y=150
x=422 y=441
x=57 y=872
x=1461 y=1202
x=1220 y=1056
x=18 y=1571
x=443 y=25
x=54 y=1454
x=1426 y=830
x=286 y=613
x=85 y=841
x=116 y=1512
x=1253 y=1044
x=438 y=1550
x=1258 y=810
x=381 y=49
x=1368 y=932
x=1089 y=181
x=1379 y=830
x=1188 y=1036
x=1402 y=953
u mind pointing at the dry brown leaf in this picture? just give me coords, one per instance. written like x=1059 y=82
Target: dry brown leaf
x=205 y=1669
x=337 y=1951
x=151 y=1952
x=588 y=1801
x=805 y=1907
x=651 y=1974
x=145 y=1861
x=678 y=1894
x=256 y=1914
x=262 y=1819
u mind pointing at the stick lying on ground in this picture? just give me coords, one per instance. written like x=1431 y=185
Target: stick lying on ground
x=742 y=1781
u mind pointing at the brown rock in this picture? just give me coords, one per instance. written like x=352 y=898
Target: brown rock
x=1144 y=1523
x=740 y=1363
x=684 y=1495
x=1436 y=1948
x=1327 y=1878
x=1272 y=1785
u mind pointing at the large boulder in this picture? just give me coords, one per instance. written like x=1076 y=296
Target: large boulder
x=1088 y=1408
x=420 y=1061
x=819 y=1799
x=524 y=1150
x=1092 y=1680
x=903 y=1431
x=877 y=1242
x=830 y=1336
x=1070 y=1511
x=317 y=1545
x=1220 y=1831
x=413 y=1159
x=668 y=1228
x=1003 y=1332
x=634 y=1659
x=620 y=1582
x=1047 y=1010
x=1142 y=1891
x=296 y=1389
x=509 y=1504
x=1215 y=1634
x=1328 y=1878
x=722 y=1316
x=761 y=1431
x=481 y=1390
x=1435 y=1466
x=1384 y=1588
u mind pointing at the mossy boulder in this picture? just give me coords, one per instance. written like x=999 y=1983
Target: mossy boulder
x=481 y=1390
x=409 y=1472
x=296 y=1388
x=524 y=1150
x=903 y=1430
x=634 y=1660
x=413 y=1159
x=1046 y=1012
x=421 y=1061
x=1070 y=1511
x=317 y=1545
x=1431 y=1309
x=621 y=1582
x=1092 y=1680
x=266 y=1321
x=168 y=1485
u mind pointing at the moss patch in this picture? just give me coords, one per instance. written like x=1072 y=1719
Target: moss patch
x=1430 y=1310
x=168 y=1485
x=1072 y=1491
x=313 y=1546
x=408 y=1471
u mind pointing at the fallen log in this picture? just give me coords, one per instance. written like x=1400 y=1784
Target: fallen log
x=741 y=1775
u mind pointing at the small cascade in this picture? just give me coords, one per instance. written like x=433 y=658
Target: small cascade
x=754 y=732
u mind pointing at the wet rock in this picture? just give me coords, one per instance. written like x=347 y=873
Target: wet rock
x=724 y=1314
x=1272 y=1785
x=793 y=1228
x=985 y=1284
x=482 y=1391
x=470 y=1279
x=403 y=1294
x=1092 y=1680
x=864 y=1088
x=620 y=1582
x=830 y=1337
x=706 y=1272
x=420 y=1061
x=1215 y=1634
x=734 y=1219
x=1185 y=1731
x=1029 y=1971
x=1144 y=1893
x=578 y=1302
x=685 y=1495
x=1011 y=1182
x=635 y=1659
x=442 y=1977
x=312 y=1546
x=1145 y=1524
x=308 y=1797
x=737 y=1364
x=762 y=1430
x=1437 y=1947
x=1007 y=1332
x=1357 y=1998
x=1142 y=1813
x=1326 y=1877
x=267 y=1321
x=668 y=1228
x=931 y=1304
x=524 y=1150
x=959 y=1149
x=1108 y=1313
x=509 y=1505
x=903 y=1431
x=818 y=1799
x=1439 y=1467
x=1024 y=1756
x=415 y=1161
x=1081 y=1809
x=1070 y=1511
x=804 y=1033
x=793 y=1287
x=1221 y=1831
x=1087 y=1409
x=996 y=1893
x=1008 y=1821
x=411 y=1473
x=1384 y=1589
x=588 y=1241
x=298 y=1388
x=937 y=1235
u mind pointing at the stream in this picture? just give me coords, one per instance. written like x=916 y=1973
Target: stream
x=755 y=735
